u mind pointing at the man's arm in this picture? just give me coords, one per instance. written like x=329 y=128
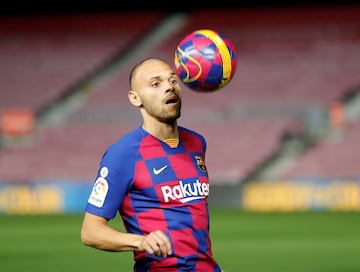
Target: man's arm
x=96 y=232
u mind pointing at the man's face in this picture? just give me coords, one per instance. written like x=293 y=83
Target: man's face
x=159 y=90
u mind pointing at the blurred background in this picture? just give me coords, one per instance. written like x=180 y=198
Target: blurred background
x=283 y=135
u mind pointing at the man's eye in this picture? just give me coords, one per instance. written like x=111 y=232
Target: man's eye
x=155 y=84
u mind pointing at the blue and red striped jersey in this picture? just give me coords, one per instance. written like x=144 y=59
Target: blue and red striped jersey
x=154 y=186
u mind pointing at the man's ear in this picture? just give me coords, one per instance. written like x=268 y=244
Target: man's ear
x=134 y=98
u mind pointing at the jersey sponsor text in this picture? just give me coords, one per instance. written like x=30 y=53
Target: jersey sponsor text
x=185 y=192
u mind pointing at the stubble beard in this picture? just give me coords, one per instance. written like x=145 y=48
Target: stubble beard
x=163 y=115
x=171 y=118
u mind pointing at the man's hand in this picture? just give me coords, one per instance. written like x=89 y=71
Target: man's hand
x=156 y=243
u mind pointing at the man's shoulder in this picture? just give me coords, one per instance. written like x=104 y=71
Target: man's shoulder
x=189 y=131
x=128 y=140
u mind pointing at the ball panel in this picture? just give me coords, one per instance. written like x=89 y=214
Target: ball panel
x=223 y=51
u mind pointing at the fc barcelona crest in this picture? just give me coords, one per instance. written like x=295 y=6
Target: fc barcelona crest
x=200 y=162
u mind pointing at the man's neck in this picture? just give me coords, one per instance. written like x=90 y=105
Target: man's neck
x=163 y=131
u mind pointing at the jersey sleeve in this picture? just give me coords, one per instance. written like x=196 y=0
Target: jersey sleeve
x=114 y=180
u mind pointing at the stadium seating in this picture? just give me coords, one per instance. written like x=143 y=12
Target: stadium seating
x=62 y=153
x=336 y=156
x=291 y=62
x=43 y=56
x=288 y=61
x=286 y=56
x=236 y=148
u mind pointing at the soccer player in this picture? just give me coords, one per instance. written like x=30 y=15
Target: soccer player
x=155 y=177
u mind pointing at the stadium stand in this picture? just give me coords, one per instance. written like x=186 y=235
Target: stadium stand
x=45 y=58
x=286 y=56
x=290 y=61
x=42 y=57
x=237 y=147
x=336 y=156
x=62 y=153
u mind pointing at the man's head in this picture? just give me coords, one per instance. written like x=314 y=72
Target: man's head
x=155 y=90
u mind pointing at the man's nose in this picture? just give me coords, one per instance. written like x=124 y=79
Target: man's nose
x=170 y=89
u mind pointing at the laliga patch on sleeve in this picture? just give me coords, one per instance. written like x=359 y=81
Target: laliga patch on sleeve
x=99 y=192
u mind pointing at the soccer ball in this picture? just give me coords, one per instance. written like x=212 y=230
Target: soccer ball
x=205 y=60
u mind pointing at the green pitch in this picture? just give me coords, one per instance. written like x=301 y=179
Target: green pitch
x=251 y=242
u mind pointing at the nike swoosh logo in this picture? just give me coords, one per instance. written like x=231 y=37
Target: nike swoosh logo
x=158 y=171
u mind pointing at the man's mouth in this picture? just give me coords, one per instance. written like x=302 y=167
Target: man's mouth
x=171 y=100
